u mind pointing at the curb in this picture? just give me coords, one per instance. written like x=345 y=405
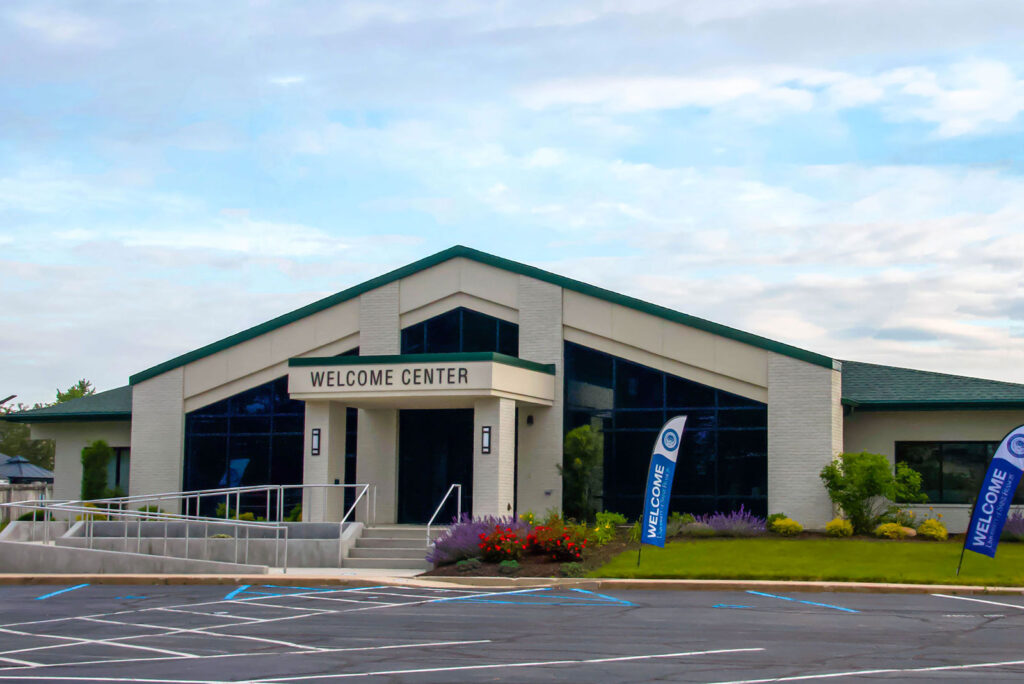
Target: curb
x=513 y=583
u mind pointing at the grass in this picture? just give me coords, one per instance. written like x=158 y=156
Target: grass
x=836 y=560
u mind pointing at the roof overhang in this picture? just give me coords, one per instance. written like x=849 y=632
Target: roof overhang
x=421 y=380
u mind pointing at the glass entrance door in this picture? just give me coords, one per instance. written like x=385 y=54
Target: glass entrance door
x=435 y=450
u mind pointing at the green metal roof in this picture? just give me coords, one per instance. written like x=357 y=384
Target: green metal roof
x=873 y=387
x=115 y=404
x=498 y=262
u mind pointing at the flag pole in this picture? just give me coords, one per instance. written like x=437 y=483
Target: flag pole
x=638 y=550
x=962 y=550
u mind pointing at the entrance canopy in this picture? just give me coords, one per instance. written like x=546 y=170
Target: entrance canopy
x=421 y=380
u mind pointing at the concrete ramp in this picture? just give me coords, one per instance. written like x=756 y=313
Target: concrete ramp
x=35 y=558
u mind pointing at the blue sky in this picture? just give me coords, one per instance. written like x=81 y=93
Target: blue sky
x=843 y=176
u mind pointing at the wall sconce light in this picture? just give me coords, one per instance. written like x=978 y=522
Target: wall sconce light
x=485 y=439
x=529 y=419
x=315 y=442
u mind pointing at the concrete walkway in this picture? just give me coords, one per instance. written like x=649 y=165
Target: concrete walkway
x=369 y=577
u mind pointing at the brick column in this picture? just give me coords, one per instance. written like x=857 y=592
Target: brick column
x=494 y=472
x=805 y=431
x=319 y=504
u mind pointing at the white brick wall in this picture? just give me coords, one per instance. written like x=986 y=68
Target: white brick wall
x=70 y=439
x=494 y=473
x=540 y=444
x=804 y=434
x=378 y=321
x=324 y=504
x=377 y=440
x=158 y=434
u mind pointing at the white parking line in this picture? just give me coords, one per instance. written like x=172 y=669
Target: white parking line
x=26 y=663
x=861 y=673
x=497 y=666
x=976 y=600
x=387 y=647
x=104 y=642
x=204 y=632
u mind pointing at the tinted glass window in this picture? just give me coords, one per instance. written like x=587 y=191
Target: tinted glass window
x=723 y=462
x=252 y=438
x=461 y=330
x=951 y=472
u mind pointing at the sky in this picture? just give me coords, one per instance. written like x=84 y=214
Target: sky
x=844 y=176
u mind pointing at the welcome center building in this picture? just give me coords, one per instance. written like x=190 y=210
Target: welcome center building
x=468 y=368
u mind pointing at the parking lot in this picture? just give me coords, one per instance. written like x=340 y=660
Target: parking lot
x=277 y=633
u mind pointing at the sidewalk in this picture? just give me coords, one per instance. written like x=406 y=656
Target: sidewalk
x=356 y=578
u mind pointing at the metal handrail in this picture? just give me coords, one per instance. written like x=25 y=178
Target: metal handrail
x=458 y=503
x=88 y=516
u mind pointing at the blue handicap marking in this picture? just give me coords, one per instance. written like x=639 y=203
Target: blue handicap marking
x=130 y=597
x=61 y=591
x=726 y=605
x=546 y=596
x=809 y=603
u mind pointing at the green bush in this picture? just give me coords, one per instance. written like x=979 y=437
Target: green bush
x=634 y=533
x=220 y=535
x=529 y=518
x=891 y=531
x=94 y=470
x=933 y=529
x=838 y=527
x=32 y=515
x=611 y=517
x=571 y=570
x=91 y=516
x=787 y=527
x=294 y=515
x=864 y=487
x=770 y=520
x=508 y=567
x=676 y=522
x=468 y=565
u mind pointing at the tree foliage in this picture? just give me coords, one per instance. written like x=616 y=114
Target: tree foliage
x=583 y=455
x=16 y=439
x=94 y=469
x=864 y=486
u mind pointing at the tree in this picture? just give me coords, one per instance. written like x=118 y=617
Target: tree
x=16 y=439
x=584 y=452
x=82 y=388
x=94 y=469
x=864 y=486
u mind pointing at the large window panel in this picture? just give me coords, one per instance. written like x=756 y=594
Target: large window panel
x=461 y=330
x=951 y=472
x=724 y=458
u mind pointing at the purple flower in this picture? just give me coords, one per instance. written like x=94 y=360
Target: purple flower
x=1014 y=527
x=462 y=538
x=741 y=523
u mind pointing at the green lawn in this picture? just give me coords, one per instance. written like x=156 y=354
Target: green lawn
x=851 y=560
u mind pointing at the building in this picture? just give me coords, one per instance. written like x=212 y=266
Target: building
x=469 y=368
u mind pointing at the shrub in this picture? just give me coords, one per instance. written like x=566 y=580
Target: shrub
x=634 y=533
x=838 y=527
x=508 y=567
x=900 y=516
x=741 y=523
x=32 y=515
x=501 y=544
x=150 y=509
x=294 y=515
x=94 y=469
x=934 y=530
x=601 y=534
x=462 y=538
x=571 y=570
x=676 y=523
x=1013 y=530
x=864 y=487
x=787 y=527
x=468 y=565
x=697 y=529
x=583 y=453
x=529 y=518
x=611 y=518
x=891 y=531
x=91 y=516
x=770 y=520
x=220 y=535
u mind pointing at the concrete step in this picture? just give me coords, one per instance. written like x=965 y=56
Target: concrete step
x=388 y=553
x=387 y=563
x=391 y=543
x=401 y=532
